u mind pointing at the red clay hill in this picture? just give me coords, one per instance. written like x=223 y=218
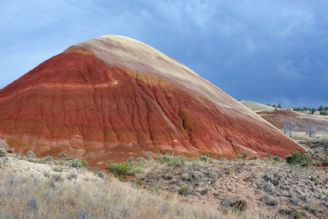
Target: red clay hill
x=114 y=97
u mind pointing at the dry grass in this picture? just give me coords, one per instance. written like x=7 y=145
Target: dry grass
x=31 y=190
x=42 y=190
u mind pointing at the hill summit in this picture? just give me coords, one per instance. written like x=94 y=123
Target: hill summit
x=114 y=97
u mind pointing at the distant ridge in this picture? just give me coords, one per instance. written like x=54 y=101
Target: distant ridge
x=257 y=107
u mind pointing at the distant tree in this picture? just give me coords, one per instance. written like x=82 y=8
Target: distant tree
x=279 y=106
x=288 y=127
x=323 y=113
x=313 y=111
x=311 y=131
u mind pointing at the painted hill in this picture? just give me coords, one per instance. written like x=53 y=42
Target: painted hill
x=300 y=121
x=257 y=107
x=114 y=97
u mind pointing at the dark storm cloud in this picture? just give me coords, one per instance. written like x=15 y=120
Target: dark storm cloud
x=269 y=51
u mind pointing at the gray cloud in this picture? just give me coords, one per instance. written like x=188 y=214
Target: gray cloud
x=261 y=50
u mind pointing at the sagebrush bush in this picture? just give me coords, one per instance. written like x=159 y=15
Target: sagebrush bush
x=46 y=160
x=300 y=159
x=100 y=174
x=204 y=158
x=30 y=154
x=269 y=200
x=184 y=190
x=173 y=160
x=2 y=152
x=77 y=163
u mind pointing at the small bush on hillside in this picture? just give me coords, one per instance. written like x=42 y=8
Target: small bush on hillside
x=184 y=190
x=269 y=200
x=293 y=213
x=173 y=160
x=46 y=160
x=77 y=163
x=204 y=158
x=57 y=169
x=100 y=174
x=127 y=168
x=300 y=159
x=33 y=204
x=243 y=156
x=236 y=205
x=2 y=152
x=62 y=155
x=120 y=169
x=30 y=154
x=46 y=174
x=72 y=176
x=57 y=178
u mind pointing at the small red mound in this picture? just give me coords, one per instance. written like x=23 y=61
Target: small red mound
x=301 y=122
x=81 y=104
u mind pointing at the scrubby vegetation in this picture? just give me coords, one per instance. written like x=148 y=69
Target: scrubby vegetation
x=82 y=195
x=127 y=168
x=300 y=159
x=120 y=169
x=276 y=106
x=46 y=160
x=2 y=152
x=77 y=163
x=209 y=188
x=173 y=160
x=30 y=154
x=322 y=110
x=204 y=158
x=239 y=185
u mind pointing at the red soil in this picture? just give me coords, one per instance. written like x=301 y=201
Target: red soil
x=77 y=104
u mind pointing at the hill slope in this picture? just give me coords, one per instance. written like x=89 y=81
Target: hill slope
x=257 y=107
x=115 y=97
x=301 y=121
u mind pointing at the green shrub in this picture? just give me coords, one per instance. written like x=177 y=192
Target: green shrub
x=173 y=160
x=2 y=152
x=120 y=169
x=77 y=163
x=127 y=168
x=300 y=159
x=204 y=158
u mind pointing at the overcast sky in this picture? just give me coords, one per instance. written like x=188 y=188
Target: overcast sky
x=272 y=51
